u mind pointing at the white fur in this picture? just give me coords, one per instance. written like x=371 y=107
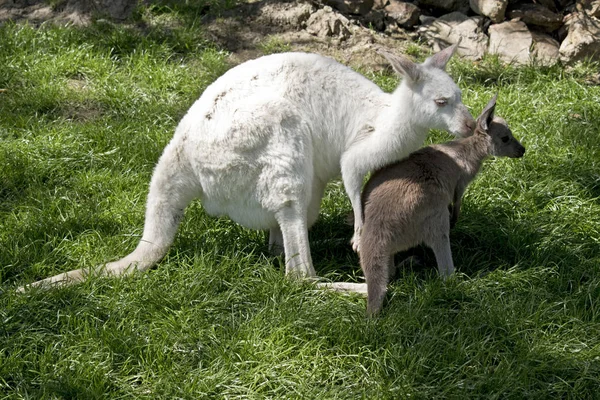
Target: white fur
x=264 y=139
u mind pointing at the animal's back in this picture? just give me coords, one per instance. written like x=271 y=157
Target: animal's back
x=425 y=175
x=317 y=87
x=265 y=128
x=400 y=198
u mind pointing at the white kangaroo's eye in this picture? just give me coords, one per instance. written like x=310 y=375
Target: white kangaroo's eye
x=441 y=102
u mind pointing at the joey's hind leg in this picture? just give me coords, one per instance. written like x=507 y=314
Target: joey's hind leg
x=293 y=225
x=443 y=255
x=376 y=267
x=439 y=240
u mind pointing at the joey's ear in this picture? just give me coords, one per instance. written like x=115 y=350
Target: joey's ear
x=441 y=58
x=402 y=65
x=487 y=115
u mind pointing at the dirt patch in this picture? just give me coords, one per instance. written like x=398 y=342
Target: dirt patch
x=76 y=12
x=251 y=30
x=247 y=31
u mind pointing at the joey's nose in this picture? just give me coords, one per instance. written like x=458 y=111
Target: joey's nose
x=520 y=152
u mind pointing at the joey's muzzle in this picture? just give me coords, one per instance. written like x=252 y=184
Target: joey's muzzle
x=520 y=152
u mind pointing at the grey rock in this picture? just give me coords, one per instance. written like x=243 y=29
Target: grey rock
x=380 y=4
x=583 y=38
x=549 y=4
x=375 y=19
x=326 y=23
x=535 y=14
x=454 y=27
x=511 y=41
x=590 y=7
x=446 y=5
x=493 y=9
x=514 y=43
x=406 y=15
x=545 y=49
x=359 y=7
x=286 y=14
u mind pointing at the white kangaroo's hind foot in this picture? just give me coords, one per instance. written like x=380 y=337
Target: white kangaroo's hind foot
x=80 y=275
x=66 y=278
x=346 y=287
x=355 y=241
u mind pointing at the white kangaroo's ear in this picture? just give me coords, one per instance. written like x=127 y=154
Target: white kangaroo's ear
x=441 y=58
x=402 y=65
x=487 y=115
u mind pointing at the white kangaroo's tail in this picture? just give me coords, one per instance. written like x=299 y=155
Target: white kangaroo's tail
x=172 y=187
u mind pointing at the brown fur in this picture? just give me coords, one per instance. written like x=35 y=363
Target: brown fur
x=406 y=203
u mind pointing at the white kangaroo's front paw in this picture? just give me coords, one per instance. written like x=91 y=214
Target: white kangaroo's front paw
x=356 y=241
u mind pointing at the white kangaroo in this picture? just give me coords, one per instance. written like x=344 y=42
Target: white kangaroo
x=264 y=139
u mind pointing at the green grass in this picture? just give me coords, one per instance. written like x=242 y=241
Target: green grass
x=84 y=117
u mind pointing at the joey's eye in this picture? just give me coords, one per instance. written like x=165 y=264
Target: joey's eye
x=441 y=102
x=505 y=139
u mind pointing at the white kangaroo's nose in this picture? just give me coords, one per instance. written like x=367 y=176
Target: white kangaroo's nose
x=470 y=124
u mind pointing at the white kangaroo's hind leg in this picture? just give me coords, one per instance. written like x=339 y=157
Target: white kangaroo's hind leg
x=172 y=187
x=293 y=225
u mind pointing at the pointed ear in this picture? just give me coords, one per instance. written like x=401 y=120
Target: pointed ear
x=402 y=65
x=441 y=58
x=487 y=115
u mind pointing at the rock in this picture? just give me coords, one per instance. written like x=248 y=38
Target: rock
x=446 y=5
x=535 y=14
x=514 y=43
x=450 y=28
x=493 y=9
x=590 y=7
x=545 y=50
x=380 y=4
x=360 y=7
x=375 y=19
x=326 y=23
x=294 y=15
x=406 y=15
x=549 y=4
x=583 y=38
x=511 y=40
